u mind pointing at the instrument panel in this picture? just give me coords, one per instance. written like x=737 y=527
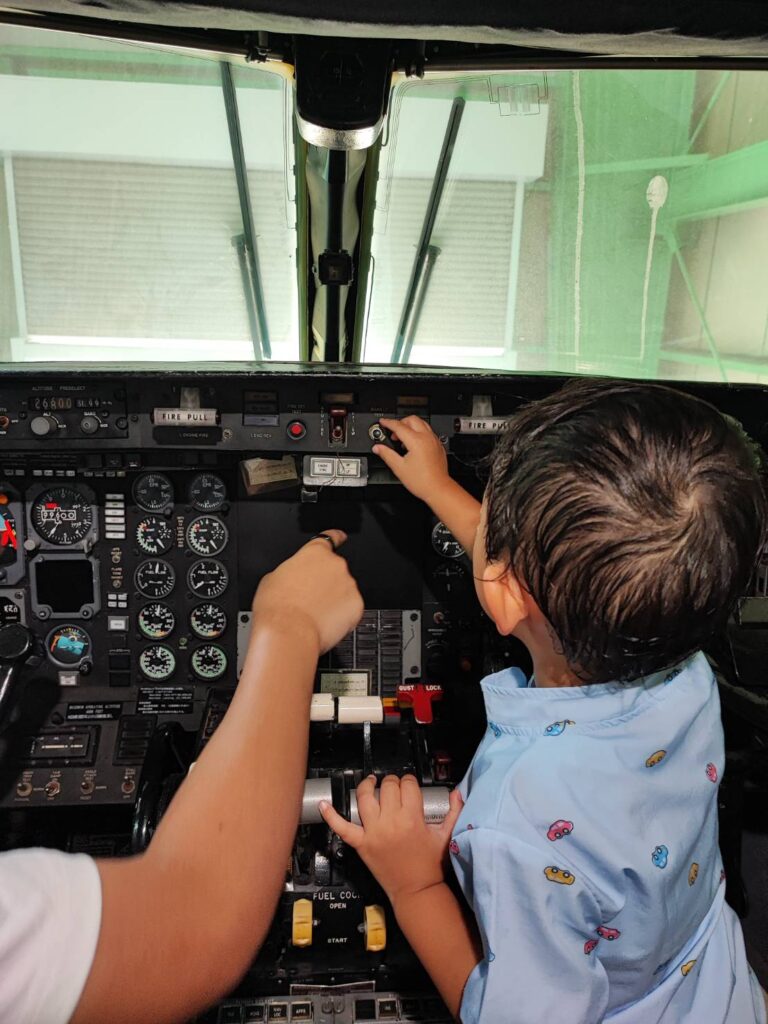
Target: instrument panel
x=138 y=513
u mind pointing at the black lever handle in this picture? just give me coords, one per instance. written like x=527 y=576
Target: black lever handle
x=18 y=647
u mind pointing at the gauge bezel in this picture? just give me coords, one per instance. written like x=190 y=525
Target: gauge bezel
x=197 y=593
x=155 y=510
x=203 y=604
x=206 y=554
x=196 y=504
x=436 y=529
x=154 y=597
x=144 y=634
x=165 y=522
x=151 y=647
x=71 y=665
x=42 y=543
x=202 y=647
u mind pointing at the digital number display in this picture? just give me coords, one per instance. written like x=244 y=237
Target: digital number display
x=64 y=403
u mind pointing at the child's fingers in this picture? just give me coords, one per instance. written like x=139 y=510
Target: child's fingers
x=455 y=809
x=345 y=830
x=389 y=457
x=367 y=804
x=389 y=796
x=410 y=795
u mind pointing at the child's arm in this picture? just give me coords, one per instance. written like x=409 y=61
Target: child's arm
x=407 y=857
x=424 y=471
x=181 y=922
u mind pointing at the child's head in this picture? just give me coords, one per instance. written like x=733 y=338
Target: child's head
x=627 y=517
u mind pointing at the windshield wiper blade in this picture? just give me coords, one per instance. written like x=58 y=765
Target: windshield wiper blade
x=254 y=296
x=424 y=259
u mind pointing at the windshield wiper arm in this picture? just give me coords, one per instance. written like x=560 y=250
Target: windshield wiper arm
x=254 y=296
x=424 y=259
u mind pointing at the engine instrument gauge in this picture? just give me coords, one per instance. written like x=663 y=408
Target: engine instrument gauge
x=153 y=492
x=157 y=662
x=207 y=535
x=154 y=535
x=208 y=662
x=208 y=621
x=156 y=621
x=207 y=492
x=68 y=645
x=445 y=543
x=62 y=515
x=155 y=578
x=207 y=578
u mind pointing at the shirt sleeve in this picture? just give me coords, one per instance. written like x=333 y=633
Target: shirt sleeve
x=538 y=921
x=50 y=915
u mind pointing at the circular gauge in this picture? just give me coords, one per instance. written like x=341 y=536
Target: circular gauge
x=207 y=578
x=207 y=492
x=154 y=535
x=156 y=621
x=208 y=621
x=155 y=578
x=445 y=543
x=208 y=662
x=207 y=535
x=153 y=492
x=157 y=662
x=9 y=541
x=68 y=645
x=10 y=612
x=62 y=515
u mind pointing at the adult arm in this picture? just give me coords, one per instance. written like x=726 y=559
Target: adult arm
x=181 y=923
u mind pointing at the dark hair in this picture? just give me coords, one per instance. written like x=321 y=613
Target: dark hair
x=634 y=516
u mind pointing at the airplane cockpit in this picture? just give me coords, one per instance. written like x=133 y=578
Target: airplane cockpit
x=230 y=243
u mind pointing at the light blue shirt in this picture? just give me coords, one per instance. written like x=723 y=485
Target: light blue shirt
x=587 y=848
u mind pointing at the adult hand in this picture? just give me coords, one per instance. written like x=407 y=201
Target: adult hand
x=313 y=590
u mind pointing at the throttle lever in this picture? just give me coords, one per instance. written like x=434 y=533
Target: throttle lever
x=19 y=647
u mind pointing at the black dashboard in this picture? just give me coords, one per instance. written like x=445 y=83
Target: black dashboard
x=138 y=512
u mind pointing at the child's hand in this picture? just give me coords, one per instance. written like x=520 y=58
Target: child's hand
x=424 y=467
x=404 y=853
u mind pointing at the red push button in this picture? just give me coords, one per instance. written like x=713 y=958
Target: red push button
x=296 y=430
x=420 y=697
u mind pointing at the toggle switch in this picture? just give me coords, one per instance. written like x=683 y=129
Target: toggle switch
x=420 y=697
x=301 y=923
x=375 y=928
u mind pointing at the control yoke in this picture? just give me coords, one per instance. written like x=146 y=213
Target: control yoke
x=18 y=647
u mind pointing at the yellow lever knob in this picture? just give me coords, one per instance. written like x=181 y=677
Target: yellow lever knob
x=375 y=928
x=301 y=932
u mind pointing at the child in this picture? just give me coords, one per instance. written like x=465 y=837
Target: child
x=620 y=524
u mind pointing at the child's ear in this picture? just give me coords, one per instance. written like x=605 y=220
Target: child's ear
x=503 y=597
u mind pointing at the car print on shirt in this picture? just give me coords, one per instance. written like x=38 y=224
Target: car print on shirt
x=590 y=944
x=687 y=968
x=660 y=856
x=453 y=846
x=693 y=874
x=559 y=875
x=494 y=729
x=558 y=829
x=608 y=933
x=656 y=758
x=556 y=728
x=491 y=956
x=711 y=771
x=672 y=675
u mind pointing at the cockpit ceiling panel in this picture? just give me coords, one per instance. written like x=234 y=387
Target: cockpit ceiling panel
x=709 y=28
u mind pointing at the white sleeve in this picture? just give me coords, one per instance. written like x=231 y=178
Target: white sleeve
x=50 y=914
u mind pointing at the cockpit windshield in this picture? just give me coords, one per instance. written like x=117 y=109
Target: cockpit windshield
x=146 y=209
x=153 y=206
